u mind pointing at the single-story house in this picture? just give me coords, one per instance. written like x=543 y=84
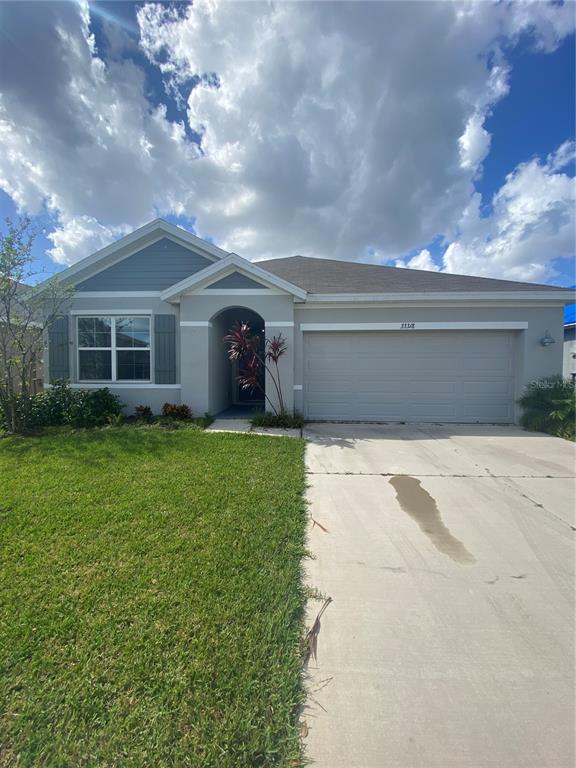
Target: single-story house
x=569 y=366
x=365 y=342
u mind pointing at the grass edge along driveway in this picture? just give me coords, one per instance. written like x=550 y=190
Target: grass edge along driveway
x=151 y=599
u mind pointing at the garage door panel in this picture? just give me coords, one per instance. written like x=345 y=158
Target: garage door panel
x=433 y=410
x=487 y=387
x=488 y=411
x=486 y=365
x=332 y=388
x=429 y=366
x=427 y=376
x=383 y=412
x=432 y=386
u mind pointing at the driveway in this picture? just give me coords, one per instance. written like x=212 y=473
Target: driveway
x=448 y=553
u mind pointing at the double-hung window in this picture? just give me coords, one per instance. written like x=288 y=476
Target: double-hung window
x=113 y=348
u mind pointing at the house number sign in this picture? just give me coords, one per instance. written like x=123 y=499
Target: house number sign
x=407 y=326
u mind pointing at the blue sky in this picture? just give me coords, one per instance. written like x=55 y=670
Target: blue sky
x=532 y=120
x=375 y=140
x=537 y=115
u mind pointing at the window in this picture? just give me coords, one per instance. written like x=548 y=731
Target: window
x=113 y=348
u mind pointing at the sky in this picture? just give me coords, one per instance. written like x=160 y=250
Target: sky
x=429 y=135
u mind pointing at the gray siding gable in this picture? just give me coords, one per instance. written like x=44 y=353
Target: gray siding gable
x=235 y=280
x=154 y=268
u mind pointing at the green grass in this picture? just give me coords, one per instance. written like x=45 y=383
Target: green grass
x=151 y=599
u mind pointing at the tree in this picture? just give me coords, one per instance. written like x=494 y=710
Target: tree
x=26 y=314
x=244 y=346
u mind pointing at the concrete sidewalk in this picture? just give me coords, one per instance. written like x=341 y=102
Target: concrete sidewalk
x=244 y=425
x=448 y=552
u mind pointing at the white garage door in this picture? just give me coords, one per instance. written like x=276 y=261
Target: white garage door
x=460 y=376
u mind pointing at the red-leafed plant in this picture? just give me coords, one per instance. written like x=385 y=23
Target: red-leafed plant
x=244 y=347
x=175 y=411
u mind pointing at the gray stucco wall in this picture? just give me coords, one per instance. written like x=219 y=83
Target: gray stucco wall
x=220 y=370
x=154 y=268
x=196 y=340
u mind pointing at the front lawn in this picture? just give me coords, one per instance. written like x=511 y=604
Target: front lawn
x=150 y=599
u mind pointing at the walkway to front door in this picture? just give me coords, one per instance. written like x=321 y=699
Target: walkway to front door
x=240 y=411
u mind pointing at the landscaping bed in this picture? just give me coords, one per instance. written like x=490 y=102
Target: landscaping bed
x=151 y=603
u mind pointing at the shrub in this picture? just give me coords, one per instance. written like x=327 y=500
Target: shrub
x=60 y=405
x=175 y=411
x=143 y=413
x=549 y=405
x=278 y=420
x=48 y=408
x=93 y=407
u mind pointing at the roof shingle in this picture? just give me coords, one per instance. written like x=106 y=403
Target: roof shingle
x=332 y=276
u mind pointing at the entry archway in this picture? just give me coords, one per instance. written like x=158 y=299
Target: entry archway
x=225 y=392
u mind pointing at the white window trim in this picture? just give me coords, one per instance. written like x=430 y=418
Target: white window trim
x=113 y=349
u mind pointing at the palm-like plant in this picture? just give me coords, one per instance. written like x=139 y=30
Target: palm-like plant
x=245 y=347
x=549 y=405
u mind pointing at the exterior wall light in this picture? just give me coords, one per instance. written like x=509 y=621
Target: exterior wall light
x=547 y=340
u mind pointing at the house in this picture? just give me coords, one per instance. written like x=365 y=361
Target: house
x=365 y=342
x=569 y=366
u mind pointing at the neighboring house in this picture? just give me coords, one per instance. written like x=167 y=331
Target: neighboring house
x=365 y=342
x=569 y=367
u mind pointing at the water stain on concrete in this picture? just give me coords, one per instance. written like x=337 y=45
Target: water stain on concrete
x=422 y=508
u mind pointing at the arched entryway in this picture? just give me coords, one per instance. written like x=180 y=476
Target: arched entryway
x=226 y=395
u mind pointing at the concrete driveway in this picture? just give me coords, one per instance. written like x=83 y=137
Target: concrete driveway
x=448 y=553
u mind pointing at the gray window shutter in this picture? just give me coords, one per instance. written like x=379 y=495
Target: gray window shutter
x=165 y=349
x=58 y=350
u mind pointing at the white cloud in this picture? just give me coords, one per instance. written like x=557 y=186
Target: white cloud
x=566 y=153
x=422 y=260
x=532 y=223
x=80 y=234
x=474 y=142
x=335 y=128
x=79 y=135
